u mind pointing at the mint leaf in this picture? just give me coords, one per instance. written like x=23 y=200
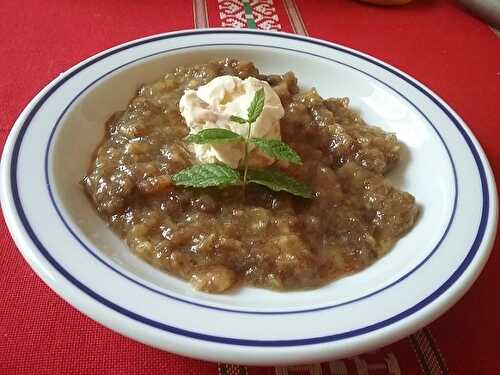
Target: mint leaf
x=238 y=119
x=276 y=149
x=256 y=106
x=214 y=135
x=205 y=175
x=278 y=181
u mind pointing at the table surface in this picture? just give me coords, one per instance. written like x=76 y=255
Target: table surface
x=435 y=41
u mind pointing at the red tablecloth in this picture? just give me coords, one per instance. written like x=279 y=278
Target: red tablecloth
x=435 y=41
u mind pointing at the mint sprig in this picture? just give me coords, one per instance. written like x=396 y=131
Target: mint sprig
x=206 y=175
x=279 y=181
x=215 y=135
x=276 y=149
x=256 y=106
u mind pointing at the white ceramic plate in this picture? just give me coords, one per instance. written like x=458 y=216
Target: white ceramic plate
x=70 y=247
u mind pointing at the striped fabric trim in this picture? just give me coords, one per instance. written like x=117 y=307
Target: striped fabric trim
x=300 y=370
x=295 y=18
x=200 y=14
x=496 y=31
x=337 y=368
x=224 y=369
x=428 y=354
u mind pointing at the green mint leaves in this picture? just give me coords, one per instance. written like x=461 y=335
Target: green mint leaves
x=215 y=135
x=256 y=106
x=276 y=149
x=278 y=181
x=205 y=175
x=221 y=175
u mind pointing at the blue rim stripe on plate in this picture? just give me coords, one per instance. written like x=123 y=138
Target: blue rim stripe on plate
x=244 y=342
x=100 y=259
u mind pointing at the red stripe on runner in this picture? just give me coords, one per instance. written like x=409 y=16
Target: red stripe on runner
x=214 y=19
x=283 y=16
x=295 y=17
x=200 y=14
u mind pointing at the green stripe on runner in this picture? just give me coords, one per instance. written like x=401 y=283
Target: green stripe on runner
x=249 y=15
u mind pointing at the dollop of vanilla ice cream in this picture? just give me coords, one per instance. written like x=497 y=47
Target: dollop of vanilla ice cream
x=212 y=105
